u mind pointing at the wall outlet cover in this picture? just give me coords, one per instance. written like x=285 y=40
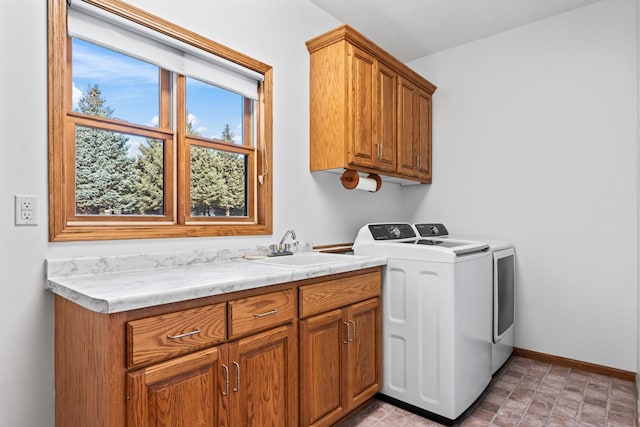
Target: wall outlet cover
x=26 y=208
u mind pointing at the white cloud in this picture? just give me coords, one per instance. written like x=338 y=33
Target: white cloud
x=76 y=94
x=192 y=119
x=154 y=121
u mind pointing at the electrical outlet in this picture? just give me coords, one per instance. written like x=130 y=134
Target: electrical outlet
x=26 y=208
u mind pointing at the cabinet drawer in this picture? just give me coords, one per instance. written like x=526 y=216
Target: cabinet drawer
x=161 y=337
x=248 y=315
x=338 y=293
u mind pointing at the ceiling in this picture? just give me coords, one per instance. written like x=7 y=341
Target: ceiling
x=410 y=29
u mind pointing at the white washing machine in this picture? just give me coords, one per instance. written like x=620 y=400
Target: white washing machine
x=503 y=277
x=436 y=323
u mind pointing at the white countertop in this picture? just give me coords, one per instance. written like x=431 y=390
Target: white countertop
x=115 y=284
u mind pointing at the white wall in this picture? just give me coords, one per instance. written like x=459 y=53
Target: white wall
x=638 y=246
x=317 y=207
x=549 y=108
x=535 y=141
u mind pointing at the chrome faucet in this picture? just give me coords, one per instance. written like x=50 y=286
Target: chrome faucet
x=283 y=248
x=293 y=236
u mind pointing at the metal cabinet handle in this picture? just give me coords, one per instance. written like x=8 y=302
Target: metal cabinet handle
x=347 y=339
x=194 y=332
x=266 y=313
x=353 y=334
x=226 y=370
x=237 y=387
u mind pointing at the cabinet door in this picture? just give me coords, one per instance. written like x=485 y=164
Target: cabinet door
x=423 y=134
x=407 y=157
x=386 y=133
x=365 y=347
x=263 y=370
x=414 y=131
x=323 y=342
x=361 y=122
x=180 y=392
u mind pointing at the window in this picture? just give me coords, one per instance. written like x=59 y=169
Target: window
x=154 y=131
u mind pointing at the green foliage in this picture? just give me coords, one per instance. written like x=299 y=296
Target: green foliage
x=112 y=181
x=206 y=182
x=233 y=169
x=218 y=180
x=149 y=186
x=104 y=172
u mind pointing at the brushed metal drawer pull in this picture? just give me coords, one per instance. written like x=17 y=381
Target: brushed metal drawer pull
x=353 y=334
x=226 y=370
x=267 y=313
x=175 y=337
x=237 y=387
x=346 y=341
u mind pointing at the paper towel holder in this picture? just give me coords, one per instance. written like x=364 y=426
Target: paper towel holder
x=351 y=177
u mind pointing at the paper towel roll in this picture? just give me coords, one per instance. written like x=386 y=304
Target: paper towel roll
x=351 y=180
x=367 y=184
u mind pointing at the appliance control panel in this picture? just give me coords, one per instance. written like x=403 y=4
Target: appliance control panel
x=392 y=231
x=432 y=230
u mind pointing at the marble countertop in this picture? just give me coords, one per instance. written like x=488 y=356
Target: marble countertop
x=115 y=284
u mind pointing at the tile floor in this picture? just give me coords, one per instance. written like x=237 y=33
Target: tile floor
x=527 y=393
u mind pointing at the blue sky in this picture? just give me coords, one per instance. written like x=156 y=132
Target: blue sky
x=130 y=88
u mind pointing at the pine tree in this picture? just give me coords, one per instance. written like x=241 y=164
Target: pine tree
x=104 y=172
x=232 y=168
x=206 y=182
x=149 y=185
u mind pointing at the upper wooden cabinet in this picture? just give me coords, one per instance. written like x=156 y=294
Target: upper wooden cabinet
x=368 y=111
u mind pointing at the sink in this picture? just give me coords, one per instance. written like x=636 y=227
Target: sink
x=306 y=259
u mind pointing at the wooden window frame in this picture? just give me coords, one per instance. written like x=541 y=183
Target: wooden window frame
x=65 y=225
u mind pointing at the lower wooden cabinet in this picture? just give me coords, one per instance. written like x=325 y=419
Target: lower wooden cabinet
x=262 y=380
x=340 y=361
x=310 y=356
x=180 y=392
x=364 y=364
x=250 y=382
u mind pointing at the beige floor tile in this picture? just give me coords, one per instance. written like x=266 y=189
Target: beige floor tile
x=527 y=393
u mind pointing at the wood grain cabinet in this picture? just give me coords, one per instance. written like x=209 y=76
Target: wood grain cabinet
x=340 y=350
x=224 y=360
x=414 y=130
x=371 y=98
x=250 y=382
x=360 y=116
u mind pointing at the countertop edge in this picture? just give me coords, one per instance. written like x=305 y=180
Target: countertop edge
x=112 y=295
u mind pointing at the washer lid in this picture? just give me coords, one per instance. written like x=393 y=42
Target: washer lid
x=458 y=247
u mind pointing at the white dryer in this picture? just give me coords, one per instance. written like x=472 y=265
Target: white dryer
x=503 y=269
x=436 y=309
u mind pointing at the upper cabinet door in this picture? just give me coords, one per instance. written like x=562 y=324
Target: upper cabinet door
x=386 y=134
x=423 y=135
x=407 y=157
x=414 y=131
x=362 y=114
